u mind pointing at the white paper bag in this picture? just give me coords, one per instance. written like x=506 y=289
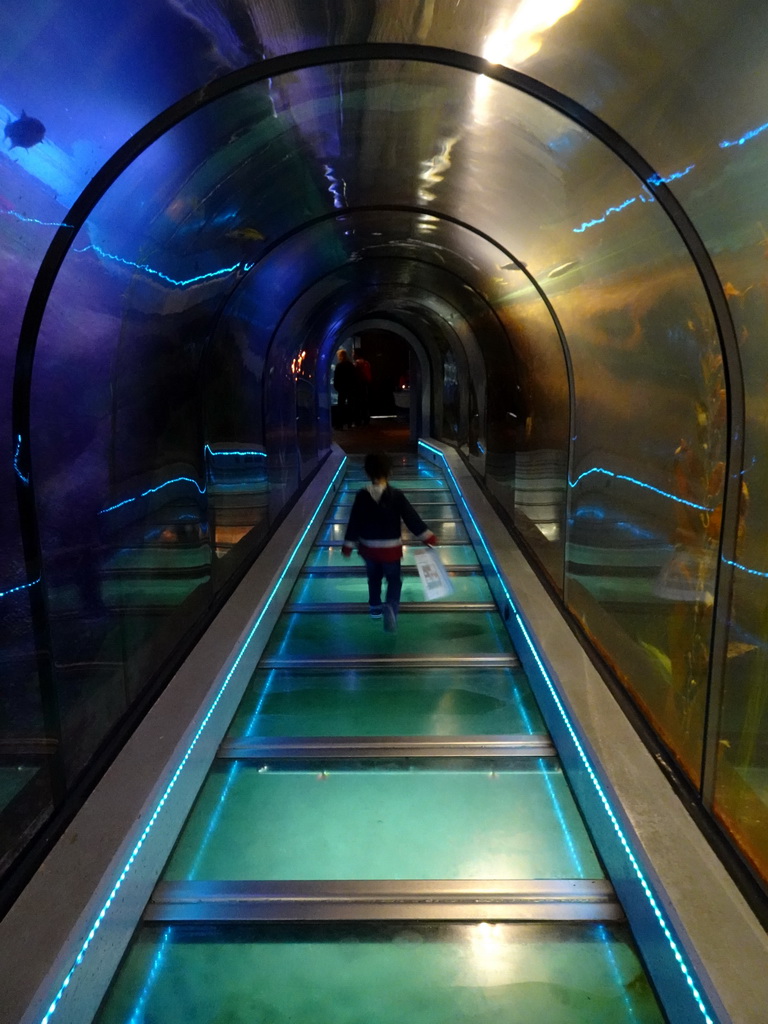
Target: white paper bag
x=434 y=579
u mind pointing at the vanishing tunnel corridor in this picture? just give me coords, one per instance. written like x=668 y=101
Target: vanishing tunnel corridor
x=541 y=225
x=406 y=786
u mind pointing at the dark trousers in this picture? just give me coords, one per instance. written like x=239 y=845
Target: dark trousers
x=346 y=409
x=378 y=571
x=361 y=410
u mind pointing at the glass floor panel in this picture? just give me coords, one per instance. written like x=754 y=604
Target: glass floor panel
x=447 y=532
x=434 y=515
x=349 y=702
x=454 y=554
x=402 y=477
x=403 y=483
x=321 y=589
x=261 y=821
x=336 y=635
x=388 y=973
x=419 y=499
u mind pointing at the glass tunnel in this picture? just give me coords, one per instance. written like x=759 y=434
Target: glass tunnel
x=541 y=224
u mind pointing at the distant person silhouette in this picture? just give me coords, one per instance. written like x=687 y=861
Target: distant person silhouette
x=365 y=374
x=346 y=381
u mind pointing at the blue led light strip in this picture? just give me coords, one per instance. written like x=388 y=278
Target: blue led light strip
x=233 y=773
x=745 y=568
x=614 y=821
x=21 y=586
x=585 y=760
x=655 y=180
x=208 y=449
x=639 y=483
x=214 y=820
x=153 y=490
x=158 y=273
x=34 y=220
x=17 y=471
x=608 y=212
x=744 y=138
x=659 y=179
x=672 y=497
x=262 y=698
x=596 y=469
x=618 y=974
x=174 y=778
x=567 y=833
x=137 y=1017
x=175 y=480
x=154 y=971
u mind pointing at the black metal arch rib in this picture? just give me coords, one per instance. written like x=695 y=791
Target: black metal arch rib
x=439 y=215
x=276 y=66
x=410 y=52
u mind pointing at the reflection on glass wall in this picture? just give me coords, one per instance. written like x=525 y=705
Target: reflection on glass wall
x=451 y=424
x=533 y=427
x=158 y=465
x=236 y=453
x=647 y=455
x=157 y=471
x=741 y=772
x=38 y=180
x=639 y=433
x=29 y=731
x=647 y=463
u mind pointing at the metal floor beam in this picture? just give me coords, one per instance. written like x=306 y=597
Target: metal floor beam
x=380 y=900
x=376 y=747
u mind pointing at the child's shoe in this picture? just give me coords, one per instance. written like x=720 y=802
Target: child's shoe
x=390 y=619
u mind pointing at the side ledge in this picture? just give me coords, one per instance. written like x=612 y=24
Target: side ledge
x=62 y=940
x=663 y=863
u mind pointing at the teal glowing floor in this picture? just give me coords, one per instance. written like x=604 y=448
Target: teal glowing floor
x=449 y=531
x=411 y=484
x=378 y=702
x=342 y=636
x=451 y=554
x=334 y=822
x=431 y=507
x=332 y=673
x=319 y=589
x=383 y=974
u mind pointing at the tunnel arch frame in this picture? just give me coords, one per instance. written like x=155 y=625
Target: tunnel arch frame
x=383 y=323
x=406 y=52
x=346 y=326
x=438 y=215
x=349 y=213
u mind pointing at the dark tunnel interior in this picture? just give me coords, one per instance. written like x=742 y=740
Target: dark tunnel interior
x=541 y=231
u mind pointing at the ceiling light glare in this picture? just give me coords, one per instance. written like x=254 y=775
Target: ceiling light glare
x=520 y=36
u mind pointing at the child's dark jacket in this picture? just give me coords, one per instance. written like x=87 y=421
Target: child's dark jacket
x=375 y=525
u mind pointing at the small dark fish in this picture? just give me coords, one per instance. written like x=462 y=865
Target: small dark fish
x=246 y=235
x=25 y=131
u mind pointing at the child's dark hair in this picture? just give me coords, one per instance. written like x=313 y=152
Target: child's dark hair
x=377 y=466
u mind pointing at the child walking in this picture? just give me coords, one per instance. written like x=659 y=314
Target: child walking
x=374 y=526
